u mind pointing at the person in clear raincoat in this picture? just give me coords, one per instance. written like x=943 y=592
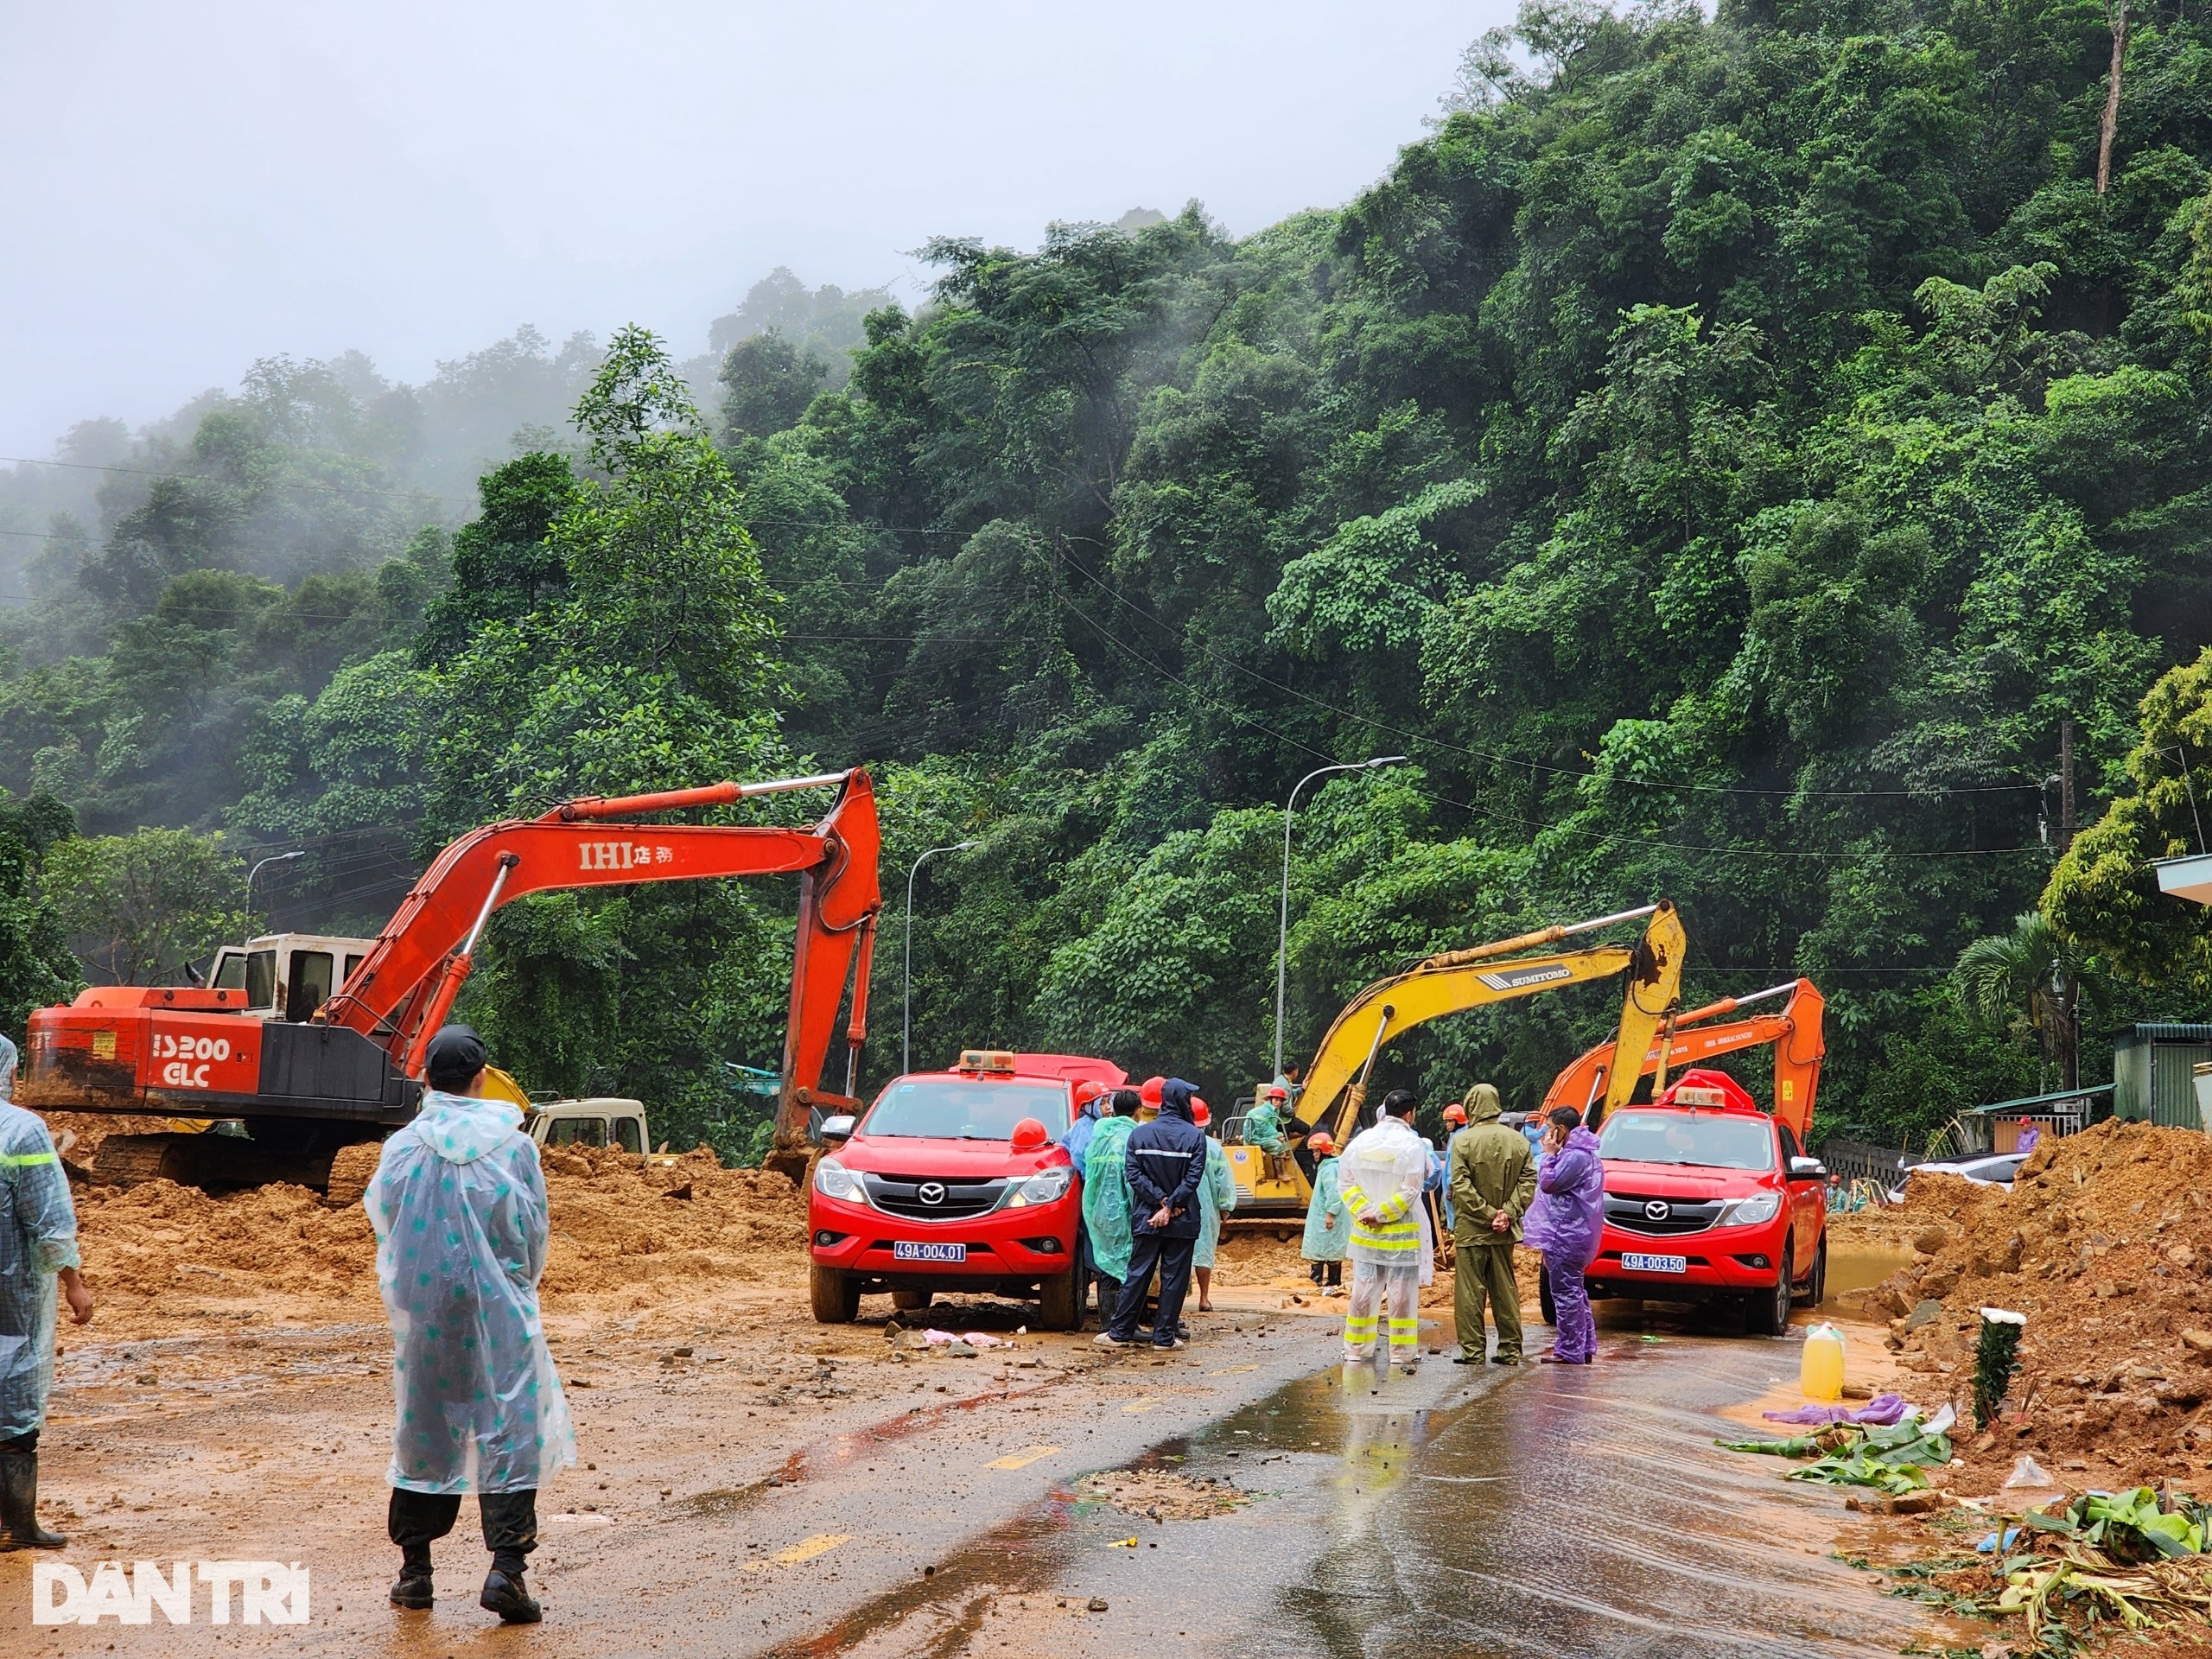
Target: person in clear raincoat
x=1328 y=1226
x=1217 y=1194
x=1381 y=1175
x=1106 y=1197
x=458 y=1203
x=38 y=1254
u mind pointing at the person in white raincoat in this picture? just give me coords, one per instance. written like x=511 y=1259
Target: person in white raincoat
x=38 y=1249
x=1381 y=1175
x=458 y=1202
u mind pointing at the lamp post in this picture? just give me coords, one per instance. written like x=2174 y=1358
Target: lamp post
x=274 y=858
x=906 y=1014
x=1282 y=936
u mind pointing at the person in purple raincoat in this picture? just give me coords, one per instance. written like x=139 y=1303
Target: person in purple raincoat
x=1566 y=1222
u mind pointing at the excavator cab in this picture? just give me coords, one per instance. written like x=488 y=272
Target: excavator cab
x=287 y=975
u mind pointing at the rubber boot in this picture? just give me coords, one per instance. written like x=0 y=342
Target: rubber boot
x=413 y=1587
x=19 y=1527
x=504 y=1592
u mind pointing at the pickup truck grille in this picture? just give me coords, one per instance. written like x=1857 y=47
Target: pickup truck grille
x=1630 y=1212
x=911 y=1197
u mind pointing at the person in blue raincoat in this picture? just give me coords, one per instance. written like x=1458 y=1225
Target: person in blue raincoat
x=1106 y=1197
x=38 y=1253
x=1328 y=1224
x=458 y=1203
x=1216 y=1193
x=1090 y=1108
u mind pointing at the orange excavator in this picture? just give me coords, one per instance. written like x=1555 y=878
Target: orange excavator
x=1686 y=1040
x=353 y=1072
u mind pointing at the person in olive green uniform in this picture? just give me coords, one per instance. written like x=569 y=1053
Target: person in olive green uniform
x=1492 y=1182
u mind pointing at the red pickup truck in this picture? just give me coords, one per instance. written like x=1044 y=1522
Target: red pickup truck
x=955 y=1181
x=1707 y=1197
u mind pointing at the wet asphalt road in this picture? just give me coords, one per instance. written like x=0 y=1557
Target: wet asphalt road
x=1458 y=1511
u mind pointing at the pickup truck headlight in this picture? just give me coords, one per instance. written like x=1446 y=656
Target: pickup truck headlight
x=1045 y=1186
x=833 y=1180
x=1749 y=1212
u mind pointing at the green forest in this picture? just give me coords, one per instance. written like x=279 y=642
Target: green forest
x=1720 y=455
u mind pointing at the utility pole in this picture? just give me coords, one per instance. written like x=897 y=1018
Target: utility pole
x=2065 y=785
x=2065 y=986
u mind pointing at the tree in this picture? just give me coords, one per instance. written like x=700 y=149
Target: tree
x=767 y=384
x=137 y=908
x=2031 y=978
x=37 y=970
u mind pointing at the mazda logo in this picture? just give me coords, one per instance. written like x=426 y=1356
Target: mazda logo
x=931 y=1192
x=1657 y=1209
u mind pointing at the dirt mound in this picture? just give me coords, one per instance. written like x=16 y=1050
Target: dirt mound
x=619 y=1222
x=2106 y=1245
x=616 y=1222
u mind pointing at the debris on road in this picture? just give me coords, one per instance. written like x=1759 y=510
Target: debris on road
x=1156 y=1495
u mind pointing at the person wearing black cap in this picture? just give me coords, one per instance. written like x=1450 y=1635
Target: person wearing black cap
x=458 y=1203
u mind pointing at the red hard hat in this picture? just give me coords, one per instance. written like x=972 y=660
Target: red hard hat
x=1321 y=1141
x=1149 y=1090
x=1274 y=1091
x=1029 y=1135
x=1199 y=1115
x=1455 y=1113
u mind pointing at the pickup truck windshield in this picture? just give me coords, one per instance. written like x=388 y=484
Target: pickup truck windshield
x=964 y=1108
x=1711 y=1140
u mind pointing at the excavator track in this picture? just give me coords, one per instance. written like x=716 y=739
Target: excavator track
x=210 y=1162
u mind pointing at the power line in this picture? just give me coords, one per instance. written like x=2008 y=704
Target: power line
x=1603 y=836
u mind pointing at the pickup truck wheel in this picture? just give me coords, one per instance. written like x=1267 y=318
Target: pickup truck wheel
x=1544 y=1303
x=1816 y=1287
x=1767 y=1315
x=1059 y=1301
x=908 y=1301
x=836 y=1295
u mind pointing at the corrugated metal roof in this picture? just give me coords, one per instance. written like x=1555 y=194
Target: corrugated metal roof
x=2164 y=1032
x=2026 y=1101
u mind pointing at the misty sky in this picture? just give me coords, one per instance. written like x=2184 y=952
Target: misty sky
x=190 y=188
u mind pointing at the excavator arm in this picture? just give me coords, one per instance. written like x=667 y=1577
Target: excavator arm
x=1455 y=980
x=405 y=986
x=1795 y=1032
x=133 y=1049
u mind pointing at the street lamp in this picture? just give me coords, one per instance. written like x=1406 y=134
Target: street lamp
x=275 y=858
x=1282 y=937
x=906 y=1014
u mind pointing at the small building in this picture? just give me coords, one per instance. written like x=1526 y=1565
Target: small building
x=2152 y=1067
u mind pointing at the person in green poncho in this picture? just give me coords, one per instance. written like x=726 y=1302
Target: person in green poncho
x=1106 y=1196
x=1216 y=1193
x=1328 y=1224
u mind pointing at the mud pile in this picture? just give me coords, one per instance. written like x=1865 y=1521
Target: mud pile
x=616 y=1222
x=2106 y=1245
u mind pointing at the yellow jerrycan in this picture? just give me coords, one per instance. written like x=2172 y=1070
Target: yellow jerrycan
x=1820 y=1371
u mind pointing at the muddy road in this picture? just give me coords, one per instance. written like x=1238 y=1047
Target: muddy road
x=763 y=1488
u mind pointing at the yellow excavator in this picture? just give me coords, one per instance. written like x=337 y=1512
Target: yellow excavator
x=1274 y=1191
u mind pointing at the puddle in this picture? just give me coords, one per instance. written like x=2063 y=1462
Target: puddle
x=1859 y=1267
x=1488 y=1514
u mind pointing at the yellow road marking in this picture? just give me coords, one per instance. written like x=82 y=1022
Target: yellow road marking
x=1143 y=1403
x=805 y=1550
x=1233 y=1370
x=1023 y=1458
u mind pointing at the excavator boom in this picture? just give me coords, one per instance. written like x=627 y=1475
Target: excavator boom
x=1795 y=1032
x=1455 y=980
